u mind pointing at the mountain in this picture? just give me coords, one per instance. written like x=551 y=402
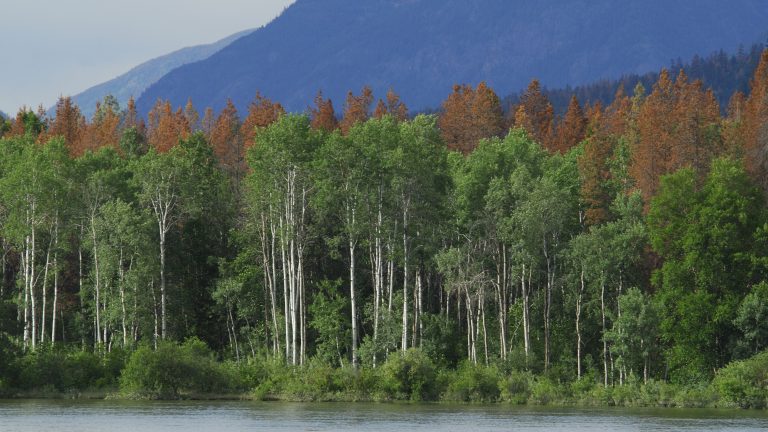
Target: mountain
x=422 y=47
x=723 y=73
x=134 y=82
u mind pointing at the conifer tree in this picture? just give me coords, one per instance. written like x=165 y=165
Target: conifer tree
x=469 y=115
x=572 y=130
x=261 y=113
x=357 y=109
x=754 y=131
x=322 y=114
x=540 y=115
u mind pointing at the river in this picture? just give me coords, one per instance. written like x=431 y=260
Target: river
x=118 y=416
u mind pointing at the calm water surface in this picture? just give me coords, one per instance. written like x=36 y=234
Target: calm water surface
x=86 y=416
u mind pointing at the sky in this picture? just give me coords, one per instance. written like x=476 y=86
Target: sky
x=52 y=48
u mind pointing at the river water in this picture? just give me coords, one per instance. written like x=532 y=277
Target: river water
x=118 y=416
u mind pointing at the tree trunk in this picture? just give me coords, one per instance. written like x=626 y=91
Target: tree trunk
x=32 y=284
x=526 y=323
x=97 y=278
x=163 y=296
x=404 y=341
x=286 y=298
x=605 y=342
x=54 y=307
x=578 y=325
x=122 y=299
x=352 y=297
x=43 y=324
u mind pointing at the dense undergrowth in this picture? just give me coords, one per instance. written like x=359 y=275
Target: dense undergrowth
x=191 y=370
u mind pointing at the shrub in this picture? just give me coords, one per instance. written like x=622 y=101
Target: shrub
x=516 y=388
x=744 y=383
x=545 y=391
x=172 y=369
x=408 y=375
x=474 y=383
x=62 y=370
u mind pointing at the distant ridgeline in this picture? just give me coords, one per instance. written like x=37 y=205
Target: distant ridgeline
x=421 y=48
x=725 y=74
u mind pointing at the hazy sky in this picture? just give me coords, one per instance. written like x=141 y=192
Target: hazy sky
x=62 y=47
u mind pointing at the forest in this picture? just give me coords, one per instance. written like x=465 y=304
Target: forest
x=614 y=255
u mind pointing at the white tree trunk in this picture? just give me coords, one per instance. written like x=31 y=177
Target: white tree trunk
x=97 y=278
x=578 y=325
x=404 y=341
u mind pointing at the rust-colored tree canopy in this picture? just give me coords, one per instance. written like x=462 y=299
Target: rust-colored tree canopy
x=469 y=115
x=323 y=115
x=754 y=127
x=676 y=128
x=677 y=124
x=225 y=139
x=357 y=109
x=166 y=127
x=539 y=115
x=261 y=113
x=68 y=123
x=572 y=129
x=393 y=106
x=192 y=116
x=103 y=130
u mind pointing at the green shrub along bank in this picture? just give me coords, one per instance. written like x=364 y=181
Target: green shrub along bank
x=191 y=370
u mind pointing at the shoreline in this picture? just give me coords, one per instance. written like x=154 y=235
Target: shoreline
x=576 y=403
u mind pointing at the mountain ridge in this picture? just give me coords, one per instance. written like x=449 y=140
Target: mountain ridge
x=340 y=45
x=137 y=79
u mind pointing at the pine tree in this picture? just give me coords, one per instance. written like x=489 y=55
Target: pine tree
x=572 y=130
x=261 y=113
x=540 y=114
x=166 y=128
x=323 y=115
x=192 y=117
x=357 y=109
x=393 y=106
x=470 y=115
x=208 y=123
x=754 y=130
x=225 y=140
x=68 y=123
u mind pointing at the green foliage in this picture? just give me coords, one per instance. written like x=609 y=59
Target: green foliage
x=634 y=333
x=328 y=319
x=706 y=237
x=67 y=371
x=132 y=143
x=516 y=387
x=408 y=375
x=745 y=382
x=476 y=383
x=752 y=319
x=174 y=369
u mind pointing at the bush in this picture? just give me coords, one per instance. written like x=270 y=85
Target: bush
x=175 y=368
x=516 y=388
x=62 y=370
x=408 y=375
x=744 y=383
x=474 y=383
x=545 y=391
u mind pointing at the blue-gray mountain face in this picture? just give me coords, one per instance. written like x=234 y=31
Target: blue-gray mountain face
x=134 y=82
x=422 y=47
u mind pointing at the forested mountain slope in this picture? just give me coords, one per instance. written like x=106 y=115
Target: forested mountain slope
x=423 y=47
x=725 y=74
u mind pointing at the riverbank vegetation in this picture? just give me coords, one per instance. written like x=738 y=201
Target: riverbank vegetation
x=617 y=255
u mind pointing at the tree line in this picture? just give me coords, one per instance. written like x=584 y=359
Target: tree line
x=615 y=242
